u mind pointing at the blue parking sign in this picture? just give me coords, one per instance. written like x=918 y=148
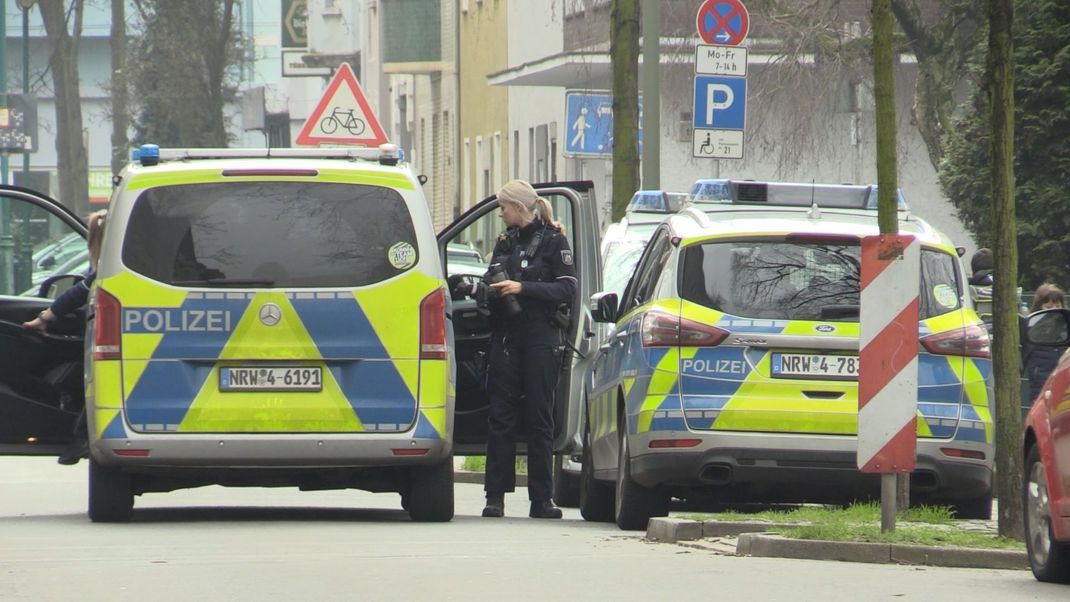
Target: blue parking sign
x=720 y=102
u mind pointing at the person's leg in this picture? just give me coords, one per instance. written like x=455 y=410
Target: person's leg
x=79 y=446
x=541 y=368
x=504 y=386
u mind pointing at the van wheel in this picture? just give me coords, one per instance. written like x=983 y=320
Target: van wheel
x=566 y=487
x=596 y=497
x=111 y=497
x=1049 y=559
x=978 y=508
x=635 y=504
x=430 y=498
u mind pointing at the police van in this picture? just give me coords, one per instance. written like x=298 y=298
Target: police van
x=265 y=318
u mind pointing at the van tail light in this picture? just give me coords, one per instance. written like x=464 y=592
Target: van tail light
x=433 y=326
x=107 y=331
x=666 y=330
x=971 y=341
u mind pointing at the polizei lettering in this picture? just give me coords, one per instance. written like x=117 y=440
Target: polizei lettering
x=715 y=365
x=176 y=320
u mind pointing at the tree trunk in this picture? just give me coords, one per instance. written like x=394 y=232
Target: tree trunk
x=624 y=53
x=72 y=160
x=120 y=112
x=999 y=84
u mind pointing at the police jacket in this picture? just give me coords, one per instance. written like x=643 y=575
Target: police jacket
x=538 y=256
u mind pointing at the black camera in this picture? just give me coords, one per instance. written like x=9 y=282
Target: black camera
x=496 y=273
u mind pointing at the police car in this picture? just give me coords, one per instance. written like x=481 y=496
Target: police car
x=731 y=371
x=266 y=318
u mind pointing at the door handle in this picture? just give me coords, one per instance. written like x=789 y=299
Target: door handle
x=620 y=336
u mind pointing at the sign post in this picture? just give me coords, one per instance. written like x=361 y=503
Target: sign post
x=720 y=108
x=888 y=362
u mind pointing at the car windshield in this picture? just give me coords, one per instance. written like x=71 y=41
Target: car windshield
x=278 y=234
x=778 y=279
x=619 y=264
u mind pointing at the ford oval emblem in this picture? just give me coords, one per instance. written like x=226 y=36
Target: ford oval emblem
x=825 y=328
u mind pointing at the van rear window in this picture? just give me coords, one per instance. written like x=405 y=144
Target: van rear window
x=270 y=235
x=778 y=279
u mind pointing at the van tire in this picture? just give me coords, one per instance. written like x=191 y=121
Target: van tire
x=111 y=497
x=634 y=505
x=596 y=497
x=430 y=498
x=566 y=486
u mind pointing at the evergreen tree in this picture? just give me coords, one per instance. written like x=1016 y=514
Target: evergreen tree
x=1042 y=157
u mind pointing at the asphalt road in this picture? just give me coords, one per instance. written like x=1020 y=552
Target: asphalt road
x=280 y=544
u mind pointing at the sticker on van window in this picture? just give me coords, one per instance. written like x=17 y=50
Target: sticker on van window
x=945 y=296
x=401 y=255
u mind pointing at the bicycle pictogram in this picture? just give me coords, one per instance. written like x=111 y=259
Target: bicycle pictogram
x=353 y=124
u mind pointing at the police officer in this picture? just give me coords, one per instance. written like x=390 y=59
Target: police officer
x=531 y=275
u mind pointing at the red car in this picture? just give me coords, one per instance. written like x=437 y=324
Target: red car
x=1047 y=456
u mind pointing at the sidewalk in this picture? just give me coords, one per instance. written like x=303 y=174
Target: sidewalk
x=751 y=539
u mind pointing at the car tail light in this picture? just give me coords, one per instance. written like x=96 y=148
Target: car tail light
x=666 y=330
x=673 y=443
x=433 y=326
x=971 y=341
x=107 y=332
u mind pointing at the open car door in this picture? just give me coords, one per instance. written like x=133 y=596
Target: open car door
x=41 y=390
x=466 y=246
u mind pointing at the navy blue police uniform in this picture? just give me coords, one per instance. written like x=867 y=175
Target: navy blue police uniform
x=526 y=355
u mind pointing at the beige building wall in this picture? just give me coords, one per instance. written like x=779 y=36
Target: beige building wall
x=484 y=109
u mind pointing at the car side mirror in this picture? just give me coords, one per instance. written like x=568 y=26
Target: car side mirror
x=604 y=307
x=53 y=286
x=960 y=250
x=1049 y=327
x=48 y=262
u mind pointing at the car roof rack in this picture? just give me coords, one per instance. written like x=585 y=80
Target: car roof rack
x=151 y=154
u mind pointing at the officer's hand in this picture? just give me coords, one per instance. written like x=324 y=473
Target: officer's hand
x=36 y=325
x=507 y=287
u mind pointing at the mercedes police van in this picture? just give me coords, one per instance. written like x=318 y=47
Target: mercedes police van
x=267 y=317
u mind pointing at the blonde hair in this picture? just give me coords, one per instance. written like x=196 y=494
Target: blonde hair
x=97 y=220
x=522 y=193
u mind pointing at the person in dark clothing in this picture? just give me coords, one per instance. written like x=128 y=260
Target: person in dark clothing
x=982 y=265
x=1038 y=361
x=526 y=343
x=65 y=305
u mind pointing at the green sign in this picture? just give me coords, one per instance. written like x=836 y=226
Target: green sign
x=295 y=23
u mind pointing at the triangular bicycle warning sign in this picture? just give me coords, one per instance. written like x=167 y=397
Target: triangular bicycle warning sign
x=342 y=116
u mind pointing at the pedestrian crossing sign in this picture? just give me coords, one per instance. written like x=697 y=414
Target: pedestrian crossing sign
x=589 y=123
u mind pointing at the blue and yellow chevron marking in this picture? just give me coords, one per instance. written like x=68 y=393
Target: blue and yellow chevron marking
x=367 y=341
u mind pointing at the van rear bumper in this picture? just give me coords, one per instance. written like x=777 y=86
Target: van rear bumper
x=818 y=469
x=310 y=451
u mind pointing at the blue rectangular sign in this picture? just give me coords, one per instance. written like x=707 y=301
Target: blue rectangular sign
x=720 y=102
x=589 y=123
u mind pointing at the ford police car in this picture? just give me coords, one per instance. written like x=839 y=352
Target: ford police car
x=731 y=372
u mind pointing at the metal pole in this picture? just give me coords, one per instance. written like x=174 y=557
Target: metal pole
x=6 y=243
x=651 y=17
x=888 y=480
x=23 y=273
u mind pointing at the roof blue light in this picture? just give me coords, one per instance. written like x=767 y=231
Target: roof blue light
x=148 y=154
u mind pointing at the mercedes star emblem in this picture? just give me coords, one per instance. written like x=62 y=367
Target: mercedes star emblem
x=270 y=314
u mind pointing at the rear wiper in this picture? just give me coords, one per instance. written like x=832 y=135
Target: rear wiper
x=830 y=312
x=225 y=282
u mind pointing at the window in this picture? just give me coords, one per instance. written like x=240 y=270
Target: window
x=277 y=234
x=777 y=279
x=645 y=278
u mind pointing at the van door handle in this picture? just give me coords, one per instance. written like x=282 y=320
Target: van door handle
x=620 y=336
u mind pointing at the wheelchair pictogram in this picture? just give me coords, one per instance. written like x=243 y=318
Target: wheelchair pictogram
x=345 y=118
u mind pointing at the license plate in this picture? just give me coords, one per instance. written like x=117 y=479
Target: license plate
x=834 y=367
x=271 y=379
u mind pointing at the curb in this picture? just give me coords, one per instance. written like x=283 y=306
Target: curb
x=761 y=544
x=467 y=476
x=753 y=541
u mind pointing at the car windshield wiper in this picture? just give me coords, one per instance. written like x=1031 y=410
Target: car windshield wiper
x=222 y=282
